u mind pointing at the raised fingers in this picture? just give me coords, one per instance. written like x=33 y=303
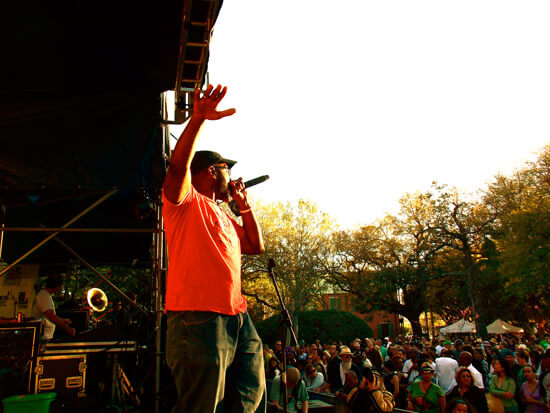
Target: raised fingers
x=227 y=112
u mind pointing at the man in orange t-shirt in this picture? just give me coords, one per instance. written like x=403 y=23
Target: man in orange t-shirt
x=212 y=347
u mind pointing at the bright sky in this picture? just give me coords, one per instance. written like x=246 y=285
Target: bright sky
x=352 y=103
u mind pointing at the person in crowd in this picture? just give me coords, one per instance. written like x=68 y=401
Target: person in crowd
x=370 y=396
x=411 y=367
x=479 y=355
x=382 y=346
x=466 y=390
x=478 y=365
x=503 y=386
x=424 y=395
x=391 y=378
x=534 y=359
x=317 y=361
x=465 y=360
x=402 y=400
x=439 y=347
x=522 y=359
x=459 y=348
x=297 y=397
x=291 y=358
x=544 y=377
x=373 y=354
x=351 y=382
x=278 y=350
x=119 y=314
x=446 y=368
x=44 y=309
x=511 y=361
x=313 y=379
x=272 y=368
x=336 y=370
x=532 y=395
x=355 y=347
x=318 y=344
x=268 y=353
x=460 y=406
x=333 y=351
x=301 y=353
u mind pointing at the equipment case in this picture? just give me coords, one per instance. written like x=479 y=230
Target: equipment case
x=65 y=375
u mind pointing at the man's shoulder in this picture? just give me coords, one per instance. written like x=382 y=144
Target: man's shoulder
x=445 y=361
x=43 y=295
x=473 y=369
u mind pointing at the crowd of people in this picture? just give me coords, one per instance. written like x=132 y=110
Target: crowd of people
x=503 y=375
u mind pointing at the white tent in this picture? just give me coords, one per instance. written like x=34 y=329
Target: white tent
x=461 y=326
x=502 y=327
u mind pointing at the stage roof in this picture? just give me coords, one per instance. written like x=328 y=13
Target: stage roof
x=80 y=93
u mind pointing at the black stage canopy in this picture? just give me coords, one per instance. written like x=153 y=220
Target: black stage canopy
x=80 y=89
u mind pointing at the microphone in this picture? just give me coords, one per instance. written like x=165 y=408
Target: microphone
x=256 y=181
x=233 y=205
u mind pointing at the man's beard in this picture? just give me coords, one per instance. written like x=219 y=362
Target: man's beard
x=346 y=365
x=222 y=188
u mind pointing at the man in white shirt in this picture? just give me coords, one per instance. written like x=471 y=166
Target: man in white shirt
x=446 y=368
x=44 y=309
x=465 y=360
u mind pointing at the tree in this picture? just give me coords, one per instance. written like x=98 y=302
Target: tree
x=297 y=237
x=522 y=204
x=463 y=225
x=384 y=265
x=326 y=326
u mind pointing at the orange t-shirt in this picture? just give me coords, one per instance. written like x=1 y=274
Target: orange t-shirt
x=204 y=253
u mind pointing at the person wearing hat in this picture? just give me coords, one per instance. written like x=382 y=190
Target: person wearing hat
x=336 y=371
x=212 y=347
x=424 y=395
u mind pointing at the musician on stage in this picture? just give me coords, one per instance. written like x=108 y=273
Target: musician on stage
x=212 y=347
x=44 y=309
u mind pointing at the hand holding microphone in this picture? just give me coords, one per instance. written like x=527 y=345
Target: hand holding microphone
x=238 y=193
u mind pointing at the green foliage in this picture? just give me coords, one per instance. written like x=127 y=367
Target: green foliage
x=522 y=202
x=132 y=281
x=319 y=325
x=443 y=252
x=297 y=237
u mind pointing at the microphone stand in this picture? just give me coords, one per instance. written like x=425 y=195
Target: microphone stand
x=285 y=326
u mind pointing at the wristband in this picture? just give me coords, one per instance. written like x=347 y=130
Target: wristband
x=245 y=211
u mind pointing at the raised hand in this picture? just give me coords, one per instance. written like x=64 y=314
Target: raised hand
x=205 y=107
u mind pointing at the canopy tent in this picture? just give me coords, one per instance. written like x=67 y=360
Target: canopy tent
x=461 y=326
x=502 y=327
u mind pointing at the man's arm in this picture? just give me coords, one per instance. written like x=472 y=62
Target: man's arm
x=60 y=322
x=177 y=182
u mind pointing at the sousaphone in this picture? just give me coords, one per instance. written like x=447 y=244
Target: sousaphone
x=97 y=299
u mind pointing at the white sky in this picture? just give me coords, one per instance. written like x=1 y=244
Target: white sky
x=352 y=103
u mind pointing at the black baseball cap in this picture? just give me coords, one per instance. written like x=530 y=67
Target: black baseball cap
x=204 y=159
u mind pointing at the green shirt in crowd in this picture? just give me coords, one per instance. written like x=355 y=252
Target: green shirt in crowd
x=432 y=395
x=508 y=385
x=277 y=394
